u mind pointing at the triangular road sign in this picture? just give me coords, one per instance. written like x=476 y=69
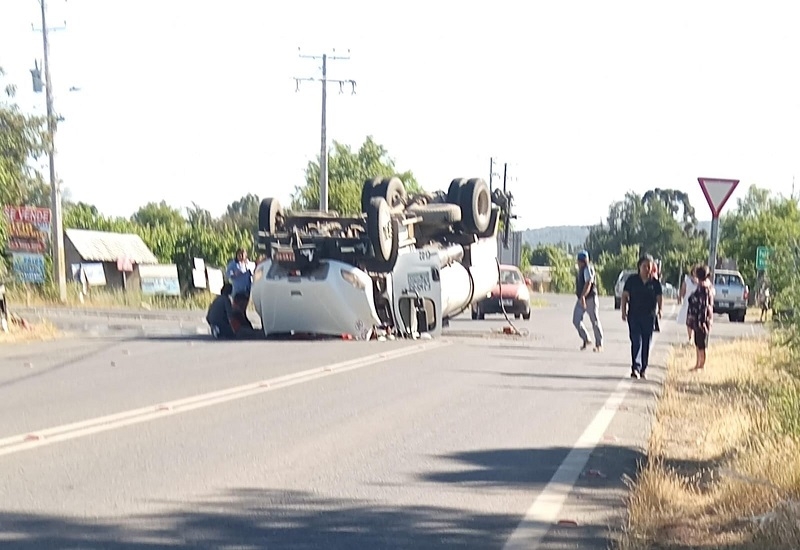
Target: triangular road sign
x=717 y=192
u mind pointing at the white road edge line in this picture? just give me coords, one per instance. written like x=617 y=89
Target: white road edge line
x=39 y=438
x=543 y=513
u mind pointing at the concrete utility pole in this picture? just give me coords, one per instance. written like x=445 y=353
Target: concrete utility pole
x=323 y=153
x=57 y=245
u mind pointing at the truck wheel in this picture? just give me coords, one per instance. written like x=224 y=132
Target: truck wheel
x=476 y=205
x=383 y=231
x=368 y=191
x=438 y=214
x=270 y=216
x=454 y=190
x=392 y=190
x=527 y=315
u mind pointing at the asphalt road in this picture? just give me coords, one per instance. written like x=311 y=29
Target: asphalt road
x=123 y=438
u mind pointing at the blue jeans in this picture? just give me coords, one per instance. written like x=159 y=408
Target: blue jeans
x=640 y=328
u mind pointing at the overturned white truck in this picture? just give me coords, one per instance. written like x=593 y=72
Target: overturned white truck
x=402 y=268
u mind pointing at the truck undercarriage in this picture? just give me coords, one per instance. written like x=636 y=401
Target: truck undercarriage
x=402 y=268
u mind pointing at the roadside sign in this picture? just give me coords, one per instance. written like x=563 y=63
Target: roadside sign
x=717 y=192
x=762 y=258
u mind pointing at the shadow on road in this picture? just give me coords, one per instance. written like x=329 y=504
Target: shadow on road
x=275 y=519
x=266 y=519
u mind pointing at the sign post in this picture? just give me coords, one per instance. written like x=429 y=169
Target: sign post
x=717 y=192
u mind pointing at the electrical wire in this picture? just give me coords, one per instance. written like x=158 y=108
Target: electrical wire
x=514 y=330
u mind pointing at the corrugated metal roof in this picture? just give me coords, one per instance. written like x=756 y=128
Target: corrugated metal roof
x=100 y=246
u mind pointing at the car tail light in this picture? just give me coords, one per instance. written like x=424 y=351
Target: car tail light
x=746 y=293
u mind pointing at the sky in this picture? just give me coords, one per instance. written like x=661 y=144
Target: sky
x=194 y=102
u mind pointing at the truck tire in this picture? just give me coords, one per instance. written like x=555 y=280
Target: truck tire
x=454 y=190
x=437 y=214
x=476 y=205
x=270 y=216
x=392 y=190
x=737 y=316
x=382 y=231
x=368 y=191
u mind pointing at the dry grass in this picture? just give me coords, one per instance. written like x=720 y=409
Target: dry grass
x=724 y=455
x=103 y=298
x=33 y=333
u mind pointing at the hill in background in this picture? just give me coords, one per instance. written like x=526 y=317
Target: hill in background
x=573 y=235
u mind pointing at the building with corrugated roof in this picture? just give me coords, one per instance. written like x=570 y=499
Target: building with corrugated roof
x=104 y=255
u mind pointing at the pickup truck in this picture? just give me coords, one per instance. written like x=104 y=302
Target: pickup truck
x=730 y=294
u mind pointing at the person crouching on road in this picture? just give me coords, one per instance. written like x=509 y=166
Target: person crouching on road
x=241 y=325
x=586 y=290
x=700 y=314
x=219 y=313
x=641 y=305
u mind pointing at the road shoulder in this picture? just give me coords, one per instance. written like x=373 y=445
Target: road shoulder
x=595 y=509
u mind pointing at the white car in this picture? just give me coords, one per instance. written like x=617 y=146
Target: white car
x=401 y=269
x=620 y=285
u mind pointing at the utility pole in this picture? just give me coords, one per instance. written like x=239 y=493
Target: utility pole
x=323 y=153
x=57 y=245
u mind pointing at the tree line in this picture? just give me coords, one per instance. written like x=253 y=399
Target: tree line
x=663 y=223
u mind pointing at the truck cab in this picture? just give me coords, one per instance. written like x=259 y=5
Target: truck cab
x=730 y=294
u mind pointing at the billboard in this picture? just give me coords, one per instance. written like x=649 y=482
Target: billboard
x=28 y=241
x=28 y=229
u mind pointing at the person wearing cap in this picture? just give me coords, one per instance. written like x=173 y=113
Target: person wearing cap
x=586 y=290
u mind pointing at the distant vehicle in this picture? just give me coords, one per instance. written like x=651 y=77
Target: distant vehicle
x=511 y=295
x=620 y=284
x=730 y=294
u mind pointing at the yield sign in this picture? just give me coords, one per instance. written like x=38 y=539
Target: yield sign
x=717 y=192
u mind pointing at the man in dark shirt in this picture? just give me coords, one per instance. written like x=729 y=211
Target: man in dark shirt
x=642 y=302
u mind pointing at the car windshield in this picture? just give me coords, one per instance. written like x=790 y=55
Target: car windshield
x=510 y=277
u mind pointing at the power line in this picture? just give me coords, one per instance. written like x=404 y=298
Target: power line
x=323 y=153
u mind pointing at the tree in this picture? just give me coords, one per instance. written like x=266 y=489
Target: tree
x=662 y=222
x=243 y=213
x=347 y=172
x=760 y=220
x=22 y=139
x=199 y=217
x=154 y=214
x=560 y=263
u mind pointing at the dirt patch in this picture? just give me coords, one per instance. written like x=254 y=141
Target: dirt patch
x=29 y=332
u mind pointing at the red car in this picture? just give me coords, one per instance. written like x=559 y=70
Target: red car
x=512 y=294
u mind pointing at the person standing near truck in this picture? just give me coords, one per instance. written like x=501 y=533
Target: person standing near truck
x=586 y=291
x=642 y=302
x=240 y=273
